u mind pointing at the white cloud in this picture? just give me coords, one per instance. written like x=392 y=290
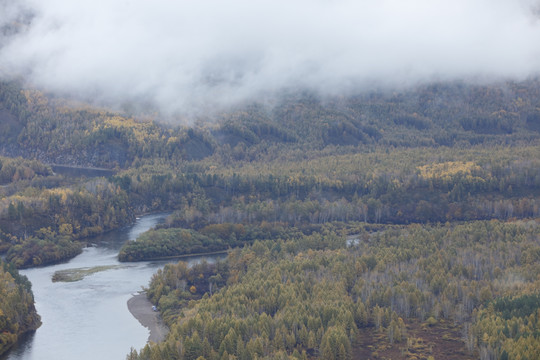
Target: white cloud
x=186 y=54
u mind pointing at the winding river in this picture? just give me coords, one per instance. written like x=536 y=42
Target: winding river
x=89 y=319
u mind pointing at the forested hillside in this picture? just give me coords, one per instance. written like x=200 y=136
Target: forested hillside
x=17 y=312
x=437 y=153
x=57 y=131
x=394 y=225
x=44 y=215
x=444 y=292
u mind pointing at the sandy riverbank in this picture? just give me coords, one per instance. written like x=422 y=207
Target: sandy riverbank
x=141 y=308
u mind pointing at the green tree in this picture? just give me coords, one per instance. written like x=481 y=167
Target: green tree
x=335 y=344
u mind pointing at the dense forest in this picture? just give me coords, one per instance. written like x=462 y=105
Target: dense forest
x=17 y=312
x=295 y=162
x=39 y=126
x=390 y=224
x=448 y=291
x=44 y=215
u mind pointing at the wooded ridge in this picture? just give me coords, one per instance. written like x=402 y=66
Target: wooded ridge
x=380 y=225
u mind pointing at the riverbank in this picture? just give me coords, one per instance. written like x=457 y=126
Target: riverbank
x=141 y=308
x=180 y=257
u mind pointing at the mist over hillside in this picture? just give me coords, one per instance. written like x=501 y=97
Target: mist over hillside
x=450 y=114
x=192 y=57
x=371 y=168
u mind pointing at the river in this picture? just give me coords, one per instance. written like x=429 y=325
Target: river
x=77 y=172
x=89 y=319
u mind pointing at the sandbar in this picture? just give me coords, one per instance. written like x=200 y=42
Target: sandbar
x=141 y=308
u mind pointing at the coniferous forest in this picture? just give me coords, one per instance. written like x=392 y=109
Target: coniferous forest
x=17 y=312
x=384 y=225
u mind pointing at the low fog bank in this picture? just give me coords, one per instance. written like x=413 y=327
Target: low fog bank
x=191 y=56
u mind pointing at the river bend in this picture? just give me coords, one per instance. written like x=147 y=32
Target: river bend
x=89 y=319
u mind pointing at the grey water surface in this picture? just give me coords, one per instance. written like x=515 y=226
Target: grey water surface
x=89 y=319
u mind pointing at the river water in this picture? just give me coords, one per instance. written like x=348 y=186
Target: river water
x=89 y=319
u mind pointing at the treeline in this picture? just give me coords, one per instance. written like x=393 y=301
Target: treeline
x=168 y=241
x=44 y=248
x=401 y=186
x=286 y=300
x=17 y=312
x=509 y=328
x=163 y=243
x=56 y=131
x=284 y=164
x=53 y=130
x=12 y=170
x=174 y=286
x=42 y=225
